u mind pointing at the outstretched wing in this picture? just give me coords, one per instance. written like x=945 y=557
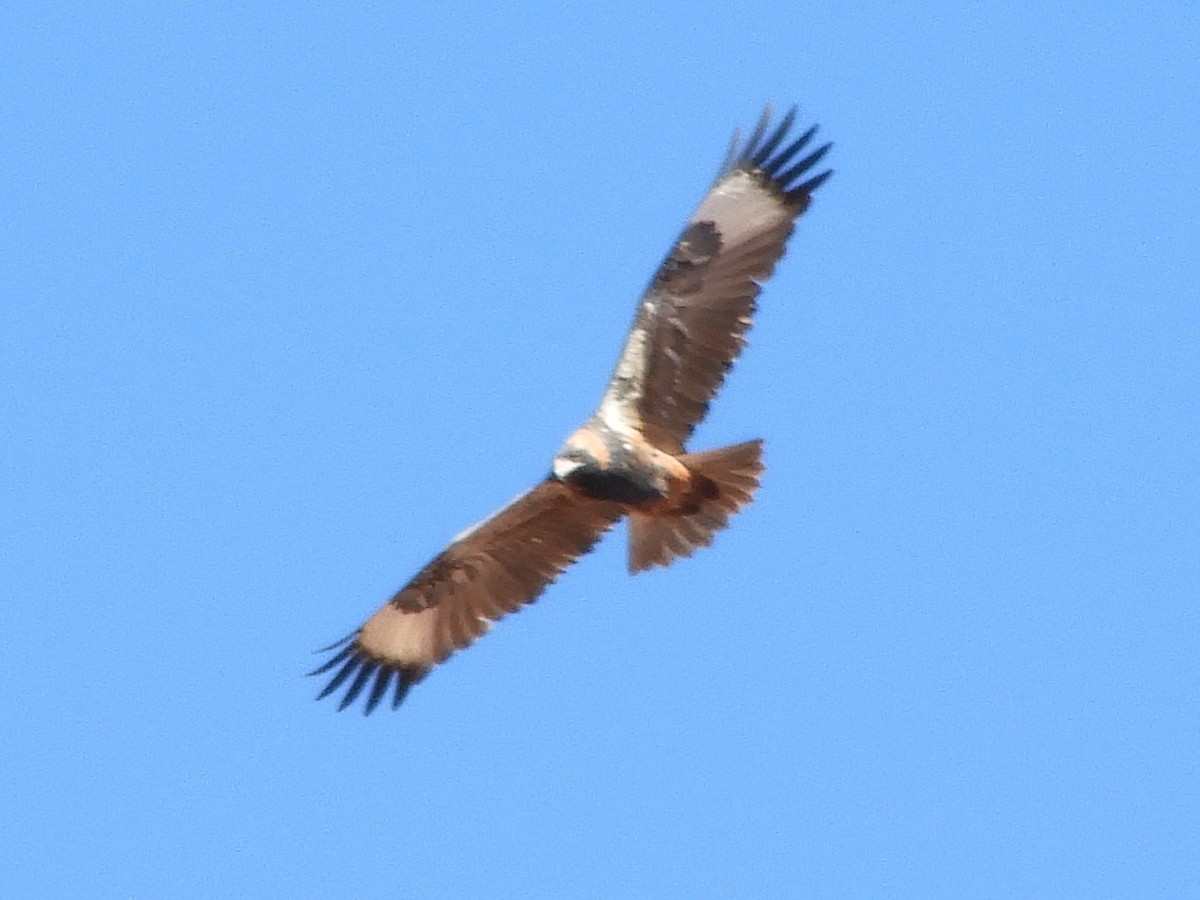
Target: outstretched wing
x=490 y=570
x=691 y=323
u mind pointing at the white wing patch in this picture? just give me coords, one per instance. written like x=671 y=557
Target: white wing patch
x=618 y=408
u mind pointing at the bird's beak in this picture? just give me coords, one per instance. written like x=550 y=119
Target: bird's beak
x=564 y=467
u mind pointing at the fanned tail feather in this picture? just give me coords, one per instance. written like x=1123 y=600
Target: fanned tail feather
x=725 y=481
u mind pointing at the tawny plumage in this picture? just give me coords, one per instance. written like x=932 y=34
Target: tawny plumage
x=630 y=457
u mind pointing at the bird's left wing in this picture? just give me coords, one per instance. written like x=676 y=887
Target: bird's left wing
x=691 y=321
x=490 y=570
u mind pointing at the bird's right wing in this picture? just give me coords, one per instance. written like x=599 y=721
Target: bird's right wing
x=488 y=571
x=691 y=322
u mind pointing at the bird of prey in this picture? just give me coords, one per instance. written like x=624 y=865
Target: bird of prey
x=629 y=458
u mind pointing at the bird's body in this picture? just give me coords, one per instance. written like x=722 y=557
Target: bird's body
x=629 y=458
x=605 y=464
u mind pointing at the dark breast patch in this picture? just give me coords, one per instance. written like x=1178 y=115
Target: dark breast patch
x=618 y=485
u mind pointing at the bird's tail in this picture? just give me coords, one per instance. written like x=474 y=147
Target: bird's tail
x=723 y=481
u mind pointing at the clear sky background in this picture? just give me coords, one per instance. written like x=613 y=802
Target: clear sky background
x=289 y=296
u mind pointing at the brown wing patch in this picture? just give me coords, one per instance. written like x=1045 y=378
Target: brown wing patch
x=490 y=570
x=680 y=274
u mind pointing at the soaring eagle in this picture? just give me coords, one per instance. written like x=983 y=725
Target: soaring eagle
x=629 y=458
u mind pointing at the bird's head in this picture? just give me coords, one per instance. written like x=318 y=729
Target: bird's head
x=583 y=452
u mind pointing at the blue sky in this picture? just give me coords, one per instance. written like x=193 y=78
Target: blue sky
x=289 y=296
